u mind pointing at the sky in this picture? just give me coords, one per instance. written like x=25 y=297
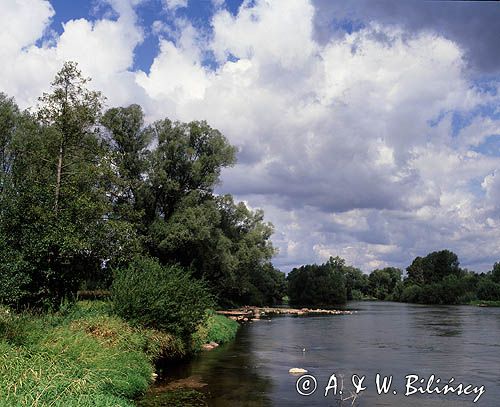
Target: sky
x=365 y=129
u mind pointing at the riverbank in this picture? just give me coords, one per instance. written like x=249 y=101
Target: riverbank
x=484 y=303
x=83 y=355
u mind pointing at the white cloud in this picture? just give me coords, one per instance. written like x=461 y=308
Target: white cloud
x=173 y=5
x=335 y=138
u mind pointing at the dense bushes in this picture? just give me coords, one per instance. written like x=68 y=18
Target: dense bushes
x=161 y=297
x=488 y=290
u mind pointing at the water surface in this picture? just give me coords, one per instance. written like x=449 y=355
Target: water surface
x=388 y=338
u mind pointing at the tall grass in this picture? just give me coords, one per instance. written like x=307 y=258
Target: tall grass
x=214 y=328
x=79 y=357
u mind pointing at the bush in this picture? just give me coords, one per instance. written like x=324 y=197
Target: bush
x=13 y=275
x=166 y=298
x=488 y=290
x=411 y=293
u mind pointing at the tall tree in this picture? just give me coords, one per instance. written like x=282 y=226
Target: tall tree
x=72 y=111
x=58 y=201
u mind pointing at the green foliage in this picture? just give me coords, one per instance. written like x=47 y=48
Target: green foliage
x=488 y=289
x=78 y=357
x=356 y=283
x=411 y=293
x=166 y=298
x=495 y=273
x=318 y=285
x=433 y=268
x=214 y=328
x=438 y=279
x=53 y=201
x=383 y=282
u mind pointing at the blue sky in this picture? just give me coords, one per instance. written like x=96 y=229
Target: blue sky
x=365 y=129
x=198 y=12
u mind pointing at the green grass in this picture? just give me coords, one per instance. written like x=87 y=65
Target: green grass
x=215 y=328
x=485 y=303
x=81 y=356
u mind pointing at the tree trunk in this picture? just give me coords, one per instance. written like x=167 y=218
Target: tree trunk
x=58 y=177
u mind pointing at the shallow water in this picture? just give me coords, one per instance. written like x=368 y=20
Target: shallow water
x=388 y=338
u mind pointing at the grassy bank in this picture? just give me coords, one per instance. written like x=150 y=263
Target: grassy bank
x=215 y=328
x=82 y=356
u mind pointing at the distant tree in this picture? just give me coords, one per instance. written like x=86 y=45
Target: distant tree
x=434 y=267
x=383 y=282
x=318 y=285
x=488 y=290
x=356 y=283
x=439 y=279
x=495 y=273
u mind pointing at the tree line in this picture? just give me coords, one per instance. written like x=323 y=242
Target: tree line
x=436 y=278
x=88 y=194
x=94 y=198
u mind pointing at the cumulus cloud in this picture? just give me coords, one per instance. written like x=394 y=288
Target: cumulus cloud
x=348 y=142
x=103 y=48
x=474 y=26
x=173 y=5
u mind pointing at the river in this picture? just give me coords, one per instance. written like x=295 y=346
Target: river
x=391 y=339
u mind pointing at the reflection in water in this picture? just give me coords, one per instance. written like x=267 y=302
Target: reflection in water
x=386 y=338
x=231 y=374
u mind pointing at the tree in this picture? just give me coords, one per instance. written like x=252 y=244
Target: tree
x=189 y=157
x=9 y=119
x=84 y=193
x=383 y=282
x=433 y=268
x=495 y=273
x=356 y=283
x=72 y=111
x=318 y=285
x=56 y=201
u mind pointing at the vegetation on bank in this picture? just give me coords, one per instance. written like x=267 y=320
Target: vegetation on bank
x=214 y=328
x=434 y=279
x=81 y=356
x=85 y=191
x=84 y=355
x=95 y=201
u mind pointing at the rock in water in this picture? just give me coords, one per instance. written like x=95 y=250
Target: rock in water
x=297 y=370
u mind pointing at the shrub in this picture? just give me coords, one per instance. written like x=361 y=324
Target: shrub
x=411 y=293
x=13 y=275
x=488 y=290
x=166 y=298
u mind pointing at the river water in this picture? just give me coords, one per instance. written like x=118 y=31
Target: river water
x=390 y=339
